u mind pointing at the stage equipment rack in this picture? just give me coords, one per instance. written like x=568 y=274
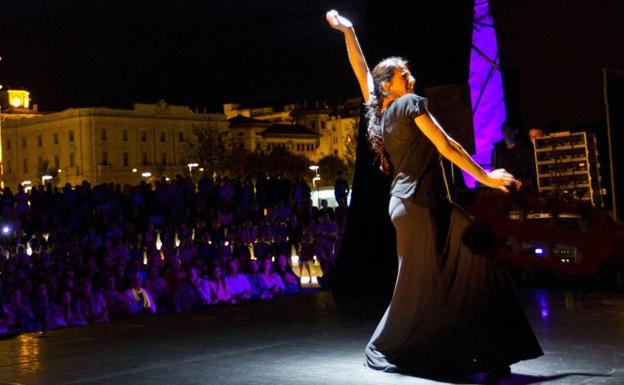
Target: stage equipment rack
x=567 y=165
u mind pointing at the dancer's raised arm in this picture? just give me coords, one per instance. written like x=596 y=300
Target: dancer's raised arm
x=356 y=56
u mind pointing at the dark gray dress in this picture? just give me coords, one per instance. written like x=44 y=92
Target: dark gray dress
x=452 y=310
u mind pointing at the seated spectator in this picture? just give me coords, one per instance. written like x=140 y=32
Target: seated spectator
x=272 y=281
x=173 y=273
x=22 y=313
x=115 y=299
x=192 y=292
x=27 y=290
x=237 y=284
x=71 y=314
x=262 y=248
x=224 y=251
x=207 y=250
x=256 y=283
x=52 y=283
x=187 y=251
x=326 y=210
x=91 y=304
x=121 y=277
x=218 y=287
x=46 y=311
x=158 y=288
x=292 y=283
x=138 y=299
x=6 y=319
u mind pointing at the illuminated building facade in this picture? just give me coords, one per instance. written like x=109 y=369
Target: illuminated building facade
x=315 y=131
x=102 y=144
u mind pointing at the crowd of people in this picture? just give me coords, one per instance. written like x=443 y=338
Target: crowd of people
x=85 y=254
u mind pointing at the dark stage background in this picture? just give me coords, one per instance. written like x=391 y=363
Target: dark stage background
x=552 y=55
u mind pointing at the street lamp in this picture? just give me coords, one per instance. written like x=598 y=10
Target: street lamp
x=190 y=166
x=146 y=174
x=27 y=185
x=44 y=178
x=316 y=182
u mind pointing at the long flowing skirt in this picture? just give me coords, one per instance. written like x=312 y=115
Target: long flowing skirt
x=451 y=309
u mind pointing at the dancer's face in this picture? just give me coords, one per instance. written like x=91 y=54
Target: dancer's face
x=401 y=83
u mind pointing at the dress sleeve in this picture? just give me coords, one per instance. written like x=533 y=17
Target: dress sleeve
x=412 y=105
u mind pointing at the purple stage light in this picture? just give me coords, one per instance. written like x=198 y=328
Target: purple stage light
x=486 y=87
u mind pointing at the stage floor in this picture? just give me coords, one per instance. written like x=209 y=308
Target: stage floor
x=302 y=340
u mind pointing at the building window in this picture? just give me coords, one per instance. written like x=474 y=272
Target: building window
x=25 y=165
x=163 y=158
x=39 y=141
x=163 y=137
x=144 y=159
x=23 y=142
x=55 y=138
x=181 y=137
x=105 y=158
x=125 y=159
x=39 y=161
x=72 y=160
x=9 y=167
x=323 y=125
x=143 y=136
x=71 y=136
x=124 y=135
x=57 y=163
x=8 y=145
x=103 y=134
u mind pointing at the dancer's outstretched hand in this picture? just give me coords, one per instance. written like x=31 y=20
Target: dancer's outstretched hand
x=338 y=22
x=501 y=180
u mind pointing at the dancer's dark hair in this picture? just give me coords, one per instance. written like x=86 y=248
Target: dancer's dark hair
x=382 y=73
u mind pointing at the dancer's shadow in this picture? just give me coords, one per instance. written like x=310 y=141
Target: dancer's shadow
x=512 y=379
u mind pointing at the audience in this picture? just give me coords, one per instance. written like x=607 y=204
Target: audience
x=85 y=254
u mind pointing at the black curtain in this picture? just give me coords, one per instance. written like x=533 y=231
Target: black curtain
x=435 y=36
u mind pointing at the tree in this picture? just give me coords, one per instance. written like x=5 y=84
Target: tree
x=351 y=141
x=288 y=164
x=210 y=149
x=329 y=166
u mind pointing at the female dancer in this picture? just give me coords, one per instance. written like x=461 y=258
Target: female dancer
x=452 y=310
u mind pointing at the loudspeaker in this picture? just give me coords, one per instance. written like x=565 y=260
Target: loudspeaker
x=451 y=106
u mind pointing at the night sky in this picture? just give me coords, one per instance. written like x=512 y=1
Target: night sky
x=200 y=53
x=73 y=53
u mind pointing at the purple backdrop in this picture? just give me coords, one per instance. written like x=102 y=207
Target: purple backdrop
x=486 y=90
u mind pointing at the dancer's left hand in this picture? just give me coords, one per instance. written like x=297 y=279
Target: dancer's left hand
x=502 y=180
